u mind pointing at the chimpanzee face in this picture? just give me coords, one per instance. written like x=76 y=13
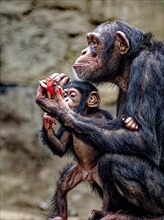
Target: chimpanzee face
x=102 y=60
x=90 y=61
x=72 y=97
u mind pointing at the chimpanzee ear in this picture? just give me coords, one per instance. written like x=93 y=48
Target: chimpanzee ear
x=93 y=100
x=122 y=42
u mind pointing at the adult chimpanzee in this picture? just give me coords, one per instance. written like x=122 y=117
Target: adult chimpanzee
x=131 y=167
x=83 y=98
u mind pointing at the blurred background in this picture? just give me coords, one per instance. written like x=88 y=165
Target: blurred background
x=38 y=38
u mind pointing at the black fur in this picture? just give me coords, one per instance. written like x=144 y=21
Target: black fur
x=131 y=164
x=85 y=88
x=143 y=151
x=54 y=203
x=50 y=144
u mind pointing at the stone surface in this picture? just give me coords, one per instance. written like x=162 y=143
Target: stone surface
x=39 y=37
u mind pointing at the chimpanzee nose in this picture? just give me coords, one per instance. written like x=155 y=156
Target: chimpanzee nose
x=83 y=52
x=66 y=99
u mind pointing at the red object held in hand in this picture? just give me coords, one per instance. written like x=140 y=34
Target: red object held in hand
x=49 y=85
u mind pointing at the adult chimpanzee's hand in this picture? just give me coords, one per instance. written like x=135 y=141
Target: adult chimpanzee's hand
x=51 y=106
x=60 y=78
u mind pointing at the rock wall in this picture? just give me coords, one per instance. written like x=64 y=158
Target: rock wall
x=39 y=37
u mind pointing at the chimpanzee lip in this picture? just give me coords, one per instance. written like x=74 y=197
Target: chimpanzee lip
x=78 y=64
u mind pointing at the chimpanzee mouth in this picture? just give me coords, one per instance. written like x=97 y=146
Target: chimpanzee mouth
x=79 y=67
x=80 y=71
x=76 y=65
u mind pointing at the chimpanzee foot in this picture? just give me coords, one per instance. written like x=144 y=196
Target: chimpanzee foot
x=95 y=214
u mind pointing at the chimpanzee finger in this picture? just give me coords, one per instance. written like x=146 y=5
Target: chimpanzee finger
x=129 y=124
x=64 y=79
x=133 y=126
x=49 y=119
x=128 y=120
x=57 y=76
x=54 y=76
x=61 y=79
x=40 y=92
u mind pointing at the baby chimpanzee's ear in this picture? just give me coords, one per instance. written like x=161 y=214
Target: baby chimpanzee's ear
x=93 y=100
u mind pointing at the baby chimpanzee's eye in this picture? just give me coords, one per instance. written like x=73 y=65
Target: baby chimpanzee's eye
x=73 y=95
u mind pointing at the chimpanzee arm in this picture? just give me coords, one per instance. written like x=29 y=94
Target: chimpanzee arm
x=57 y=143
x=146 y=99
x=109 y=137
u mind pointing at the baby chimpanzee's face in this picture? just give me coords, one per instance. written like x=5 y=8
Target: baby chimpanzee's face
x=72 y=97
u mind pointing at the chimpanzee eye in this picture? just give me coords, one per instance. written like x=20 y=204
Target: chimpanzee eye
x=94 y=42
x=73 y=95
x=88 y=40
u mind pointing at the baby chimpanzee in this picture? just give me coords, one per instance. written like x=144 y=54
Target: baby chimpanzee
x=82 y=98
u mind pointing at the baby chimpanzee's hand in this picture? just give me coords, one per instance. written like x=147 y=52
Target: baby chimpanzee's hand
x=130 y=123
x=48 y=121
